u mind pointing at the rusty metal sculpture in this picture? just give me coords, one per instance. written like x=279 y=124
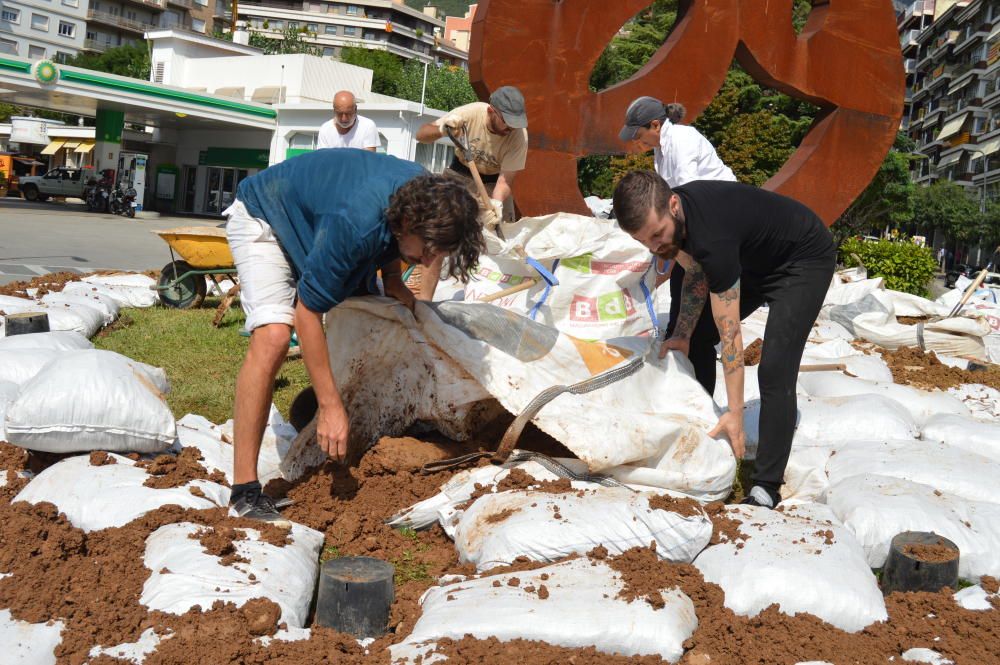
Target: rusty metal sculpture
x=846 y=61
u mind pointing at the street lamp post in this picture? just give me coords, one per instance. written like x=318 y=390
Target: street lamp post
x=982 y=203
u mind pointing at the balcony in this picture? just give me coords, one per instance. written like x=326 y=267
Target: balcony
x=119 y=22
x=942 y=43
x=189 y=4
x=95 y=46
x=910 y=65
x=155 y=4
x=908 y=39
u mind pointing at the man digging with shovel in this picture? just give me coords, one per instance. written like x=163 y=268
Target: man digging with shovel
x=746 y=247
x=308 y=233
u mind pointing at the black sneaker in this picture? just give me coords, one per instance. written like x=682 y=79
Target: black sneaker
x=759 y=496
x=256 y=506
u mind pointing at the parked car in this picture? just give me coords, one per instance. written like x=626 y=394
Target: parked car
x=61 y=181
x=966 y=270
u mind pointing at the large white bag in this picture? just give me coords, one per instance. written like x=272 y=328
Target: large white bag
x=8 y=393
x=656 y=418
x=18 y=366
x=80 y=297
x=877 y=508
x=543 y=526
x=846 y=293
x=976 y=436
x=60 y=317
x=184 y=575
x=60 y=340
x=98 y=497
x=29 y=643
x=803 y=559
x=921 y=404
x=128 y=289
x=581 y=609
x=870 y=367
x=91 y=400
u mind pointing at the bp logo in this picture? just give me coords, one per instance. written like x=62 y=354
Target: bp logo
x=45 y=71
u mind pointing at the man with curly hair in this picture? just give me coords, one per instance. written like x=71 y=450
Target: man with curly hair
x=305 y=235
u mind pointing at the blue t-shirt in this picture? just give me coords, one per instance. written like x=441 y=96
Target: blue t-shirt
x=327 y=209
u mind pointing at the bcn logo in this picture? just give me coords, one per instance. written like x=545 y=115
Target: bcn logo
x=846 y=61
x=588 y=265
x=608 y=307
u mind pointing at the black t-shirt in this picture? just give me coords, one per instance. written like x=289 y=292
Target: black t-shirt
x=735 y=229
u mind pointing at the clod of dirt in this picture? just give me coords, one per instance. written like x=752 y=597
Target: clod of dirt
x=101 y=458
x=220 y=542
x=990 y=584
x=912 y=320
x=169 y=471
x=826 y=535
x=931 y=553
x=12 y=460
x=50 y=283
x=501 y=516
x=912 y=366
x=752 y=352
x=725 y=529
x=683 y=506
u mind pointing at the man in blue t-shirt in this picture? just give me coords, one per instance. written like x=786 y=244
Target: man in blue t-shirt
x=740 y=247
x=305 y=235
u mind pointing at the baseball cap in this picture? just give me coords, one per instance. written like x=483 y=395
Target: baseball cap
x=510 y=102
x=640 y=113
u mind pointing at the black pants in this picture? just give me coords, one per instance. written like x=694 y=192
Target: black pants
x=794 y=296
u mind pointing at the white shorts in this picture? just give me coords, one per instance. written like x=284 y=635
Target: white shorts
x=267 y=281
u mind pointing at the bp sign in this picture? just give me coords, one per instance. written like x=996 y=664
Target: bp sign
x=45 y=71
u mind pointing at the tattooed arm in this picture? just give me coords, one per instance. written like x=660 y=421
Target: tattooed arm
x=726 y=312
x=694 y=293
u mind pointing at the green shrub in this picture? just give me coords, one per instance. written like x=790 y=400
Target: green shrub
x=904 y=265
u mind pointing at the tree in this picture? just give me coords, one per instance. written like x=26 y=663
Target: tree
x=641 y=38
x=888 y=199
x=292 y=40
x=387 y=68
x=130 y=60
x=447 y=87
x=948 y=207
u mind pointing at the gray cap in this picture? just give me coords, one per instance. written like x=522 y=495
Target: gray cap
x=640 y=113
x=509 y=101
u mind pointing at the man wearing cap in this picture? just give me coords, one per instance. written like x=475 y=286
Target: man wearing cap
x=347 y=129
x=497 y=136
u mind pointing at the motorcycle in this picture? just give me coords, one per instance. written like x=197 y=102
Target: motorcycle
x=122 y=201
x=98 y=192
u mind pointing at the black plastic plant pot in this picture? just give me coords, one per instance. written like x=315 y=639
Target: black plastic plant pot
x=26 y=322
x=355 y=595
x=920 y=561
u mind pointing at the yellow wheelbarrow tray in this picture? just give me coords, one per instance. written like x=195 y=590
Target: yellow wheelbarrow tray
x=204 y=252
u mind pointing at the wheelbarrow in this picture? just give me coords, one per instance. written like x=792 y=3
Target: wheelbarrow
x=204 y=252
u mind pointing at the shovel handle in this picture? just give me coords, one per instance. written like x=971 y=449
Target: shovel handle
x=484 y=196
x=976 y=283
x=829 y=367
x=523 y=286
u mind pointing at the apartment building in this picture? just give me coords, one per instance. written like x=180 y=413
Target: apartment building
x=458 y=30
x=39 y=29
x=386 y=25
x=112 y=23
x=952 y=59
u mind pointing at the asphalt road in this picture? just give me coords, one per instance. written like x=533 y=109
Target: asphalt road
x=52 y=236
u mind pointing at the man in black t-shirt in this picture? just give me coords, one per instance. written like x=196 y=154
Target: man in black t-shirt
x=741 y=247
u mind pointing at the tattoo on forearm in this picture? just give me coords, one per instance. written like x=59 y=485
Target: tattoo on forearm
x=694 y=292
x=729 y=331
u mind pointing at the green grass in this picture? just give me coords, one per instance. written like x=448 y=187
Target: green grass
x=201 y=361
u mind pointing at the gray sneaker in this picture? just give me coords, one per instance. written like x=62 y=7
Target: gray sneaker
x=261 y=507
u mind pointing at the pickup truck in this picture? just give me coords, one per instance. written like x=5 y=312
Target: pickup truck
x=62 y=181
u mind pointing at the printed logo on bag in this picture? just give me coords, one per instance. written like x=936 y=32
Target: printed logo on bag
x=590 y=266
x=608 y=307
x=499 y=277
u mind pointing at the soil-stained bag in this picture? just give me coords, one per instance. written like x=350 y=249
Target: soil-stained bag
x=92 y=400
x=107 y=306
x=128 y=289
x=184 y=575
x=581 y=608
x=921 y=404
x=61 y=318
x=8 y=393
x=976 y=436
x=846 y=293
x=60 y=340
x=871 y=368
x=877 y=508
x=454 y=363
x=28 y=643
x=18 y=366
x=215 y=444
x=114 y=494
x=543 y=526
x=803 y=559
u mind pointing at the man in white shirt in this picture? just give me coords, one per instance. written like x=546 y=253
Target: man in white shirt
x=347 y=129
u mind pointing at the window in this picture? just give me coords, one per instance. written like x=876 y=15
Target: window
x=203 y=3
x=302 y=141
x=329 y=51
x=40 y=22
x=67 y=29
x=293 y=25
x=11 y=15
x=92 y=35
x=979 y=125
x=8 y=46
x=132 y=16
x=198 y=25
x=350 y=31
x=330 y=29
x=220 y=7
x=71 y=3
x=352 y=10
x=277 y=25
x=62 y=57
x=312 y=27
x=36 y=52
x=368 y=34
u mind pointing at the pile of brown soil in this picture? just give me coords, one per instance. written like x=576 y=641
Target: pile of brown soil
x=53 y=282
x=725 y=529
x=751 y=354
x=912 y=320
x=168 y=471
x=101 y=458
x=933 y=553
x=12 y=460
x=912 y=366
x=683 y=507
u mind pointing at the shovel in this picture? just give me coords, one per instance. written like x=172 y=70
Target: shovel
x=461 y=142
